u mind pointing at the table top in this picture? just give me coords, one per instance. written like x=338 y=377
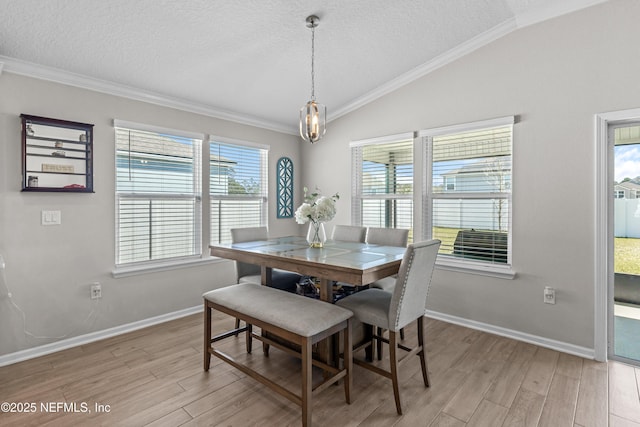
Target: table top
x=351 y=262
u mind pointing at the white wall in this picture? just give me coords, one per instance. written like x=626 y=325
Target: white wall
x=49 y=269
x=554 y=76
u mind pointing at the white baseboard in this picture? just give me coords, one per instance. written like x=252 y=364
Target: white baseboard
x=587 y=353
x=42 y=350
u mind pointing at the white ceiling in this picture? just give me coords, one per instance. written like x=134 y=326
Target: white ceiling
x=250 y=61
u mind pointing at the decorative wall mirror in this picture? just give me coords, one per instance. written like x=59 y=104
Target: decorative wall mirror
x=284 y=171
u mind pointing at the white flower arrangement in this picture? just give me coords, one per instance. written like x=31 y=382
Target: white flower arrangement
x=316 y=208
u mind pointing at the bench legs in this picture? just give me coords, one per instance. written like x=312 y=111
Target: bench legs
x=306 y=356
x=306 y=382
x=207 y=336
x=347 y=336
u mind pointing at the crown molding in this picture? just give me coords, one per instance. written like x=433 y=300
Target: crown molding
x=428 y=67
x=29 y=69
x=463 y=49
x=555 y=10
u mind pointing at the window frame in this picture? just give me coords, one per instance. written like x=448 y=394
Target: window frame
x=263 y=197
x=127 y=268
x=428 y=196
x=357 y=196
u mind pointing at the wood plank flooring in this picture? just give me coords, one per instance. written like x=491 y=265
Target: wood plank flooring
x=154 y=377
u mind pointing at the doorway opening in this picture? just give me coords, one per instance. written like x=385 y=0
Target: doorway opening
x=624 y=143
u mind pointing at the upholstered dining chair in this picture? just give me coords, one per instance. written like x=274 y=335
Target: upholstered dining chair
x=349 y=233
x=250 y=273
x=387 y=237
x=393 y=311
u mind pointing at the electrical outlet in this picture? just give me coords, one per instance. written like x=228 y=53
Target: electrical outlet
x=549 y=295
x=96 y=291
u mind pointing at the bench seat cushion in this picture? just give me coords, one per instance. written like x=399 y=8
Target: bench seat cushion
x=301 y=315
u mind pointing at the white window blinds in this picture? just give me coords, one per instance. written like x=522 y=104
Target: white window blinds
x=158 y=196
x=469 y=198
x=383 y=183
x=237 y=187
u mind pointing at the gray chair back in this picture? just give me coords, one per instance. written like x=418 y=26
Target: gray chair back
x=349 y=233
x=248 y=234
x=387 y=236
x=412 y=285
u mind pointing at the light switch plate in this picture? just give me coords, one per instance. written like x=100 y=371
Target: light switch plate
x=51 y=218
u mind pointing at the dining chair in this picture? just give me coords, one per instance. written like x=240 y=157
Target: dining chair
x=250 y=273
x=393 y=311
x=349 y=233
x=386 y=237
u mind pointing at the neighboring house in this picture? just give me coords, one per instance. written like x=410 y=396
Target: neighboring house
x=626 y=210
x=626 y=190
x=487 y=175
x=155 y=191
x=484 y=175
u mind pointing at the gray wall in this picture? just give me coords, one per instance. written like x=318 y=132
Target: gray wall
x=554 y=76
x=49 y=269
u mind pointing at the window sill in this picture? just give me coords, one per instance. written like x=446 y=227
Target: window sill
x=470 y=267
x=120 y=272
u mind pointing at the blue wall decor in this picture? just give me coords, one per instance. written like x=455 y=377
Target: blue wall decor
x=284 y=170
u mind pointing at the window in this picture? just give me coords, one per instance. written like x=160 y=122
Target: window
x=468 y=199
x=158 y=194
x=237 y=187
x=383 y=182
x=449 y=183
x=619 y=194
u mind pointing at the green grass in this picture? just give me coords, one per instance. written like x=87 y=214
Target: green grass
x=627 y=255
x=626 y=251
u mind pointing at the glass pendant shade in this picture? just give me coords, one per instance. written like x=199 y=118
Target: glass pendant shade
x=313 y=121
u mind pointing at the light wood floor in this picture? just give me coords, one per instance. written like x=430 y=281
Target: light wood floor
x=154 y=377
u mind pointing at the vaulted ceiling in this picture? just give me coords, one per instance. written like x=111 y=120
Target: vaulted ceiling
x=250 y=60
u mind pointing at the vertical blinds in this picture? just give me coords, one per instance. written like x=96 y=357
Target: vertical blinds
x=158 y=192
x=383 y=188
x=470 y=193
x=237 y=187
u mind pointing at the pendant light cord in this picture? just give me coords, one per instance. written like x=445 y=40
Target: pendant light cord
x=313 y=82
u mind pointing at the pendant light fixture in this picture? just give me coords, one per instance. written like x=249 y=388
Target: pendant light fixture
x=313 y=115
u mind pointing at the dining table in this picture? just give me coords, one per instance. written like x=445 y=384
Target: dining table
x=354 y=263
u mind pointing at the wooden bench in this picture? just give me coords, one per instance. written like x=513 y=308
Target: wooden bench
x=296 y=319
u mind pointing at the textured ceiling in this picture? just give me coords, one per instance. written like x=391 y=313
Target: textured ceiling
x=250 y=60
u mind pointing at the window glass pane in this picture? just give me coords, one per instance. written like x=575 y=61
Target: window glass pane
x=478 y=161
x=390 y=213
x=387 y=168
x=385 y=182
x=238 y=189
x=472 y=228
x=470 y=193
x=153 y=163
x=158 y=200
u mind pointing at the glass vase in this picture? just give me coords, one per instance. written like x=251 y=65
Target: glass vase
x=316 y=235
